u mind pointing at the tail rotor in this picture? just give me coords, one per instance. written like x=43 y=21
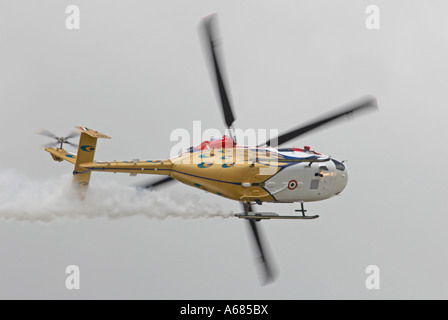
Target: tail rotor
x=59 y=141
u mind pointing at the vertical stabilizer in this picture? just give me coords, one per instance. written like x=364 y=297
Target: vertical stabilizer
x=86 y=153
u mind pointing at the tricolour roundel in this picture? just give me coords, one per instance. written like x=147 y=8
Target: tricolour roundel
x=87 y=148
x=292 y=184
x=228 y=165
x=205 y=165
x=154 y=161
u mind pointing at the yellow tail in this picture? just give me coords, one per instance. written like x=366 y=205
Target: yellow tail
x=85 y=164
x=86 y=153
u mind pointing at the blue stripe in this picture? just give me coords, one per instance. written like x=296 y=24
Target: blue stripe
x=192 y=175
x=121 y=168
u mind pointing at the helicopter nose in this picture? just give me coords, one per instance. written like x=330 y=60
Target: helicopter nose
x=342 y=181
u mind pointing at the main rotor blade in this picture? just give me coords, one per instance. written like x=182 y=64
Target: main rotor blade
x=156 y=183
x=268 y=274
x=356 y=107
x=212 y=45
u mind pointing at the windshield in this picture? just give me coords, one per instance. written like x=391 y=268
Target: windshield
x=338 y=165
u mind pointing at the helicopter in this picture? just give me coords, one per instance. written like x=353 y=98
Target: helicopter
x=251 y=175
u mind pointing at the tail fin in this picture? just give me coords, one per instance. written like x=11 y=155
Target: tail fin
x=86 y=153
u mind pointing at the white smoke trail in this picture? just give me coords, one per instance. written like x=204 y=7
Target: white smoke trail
x=23 y=199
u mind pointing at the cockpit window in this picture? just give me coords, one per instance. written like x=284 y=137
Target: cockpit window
x=338 y=165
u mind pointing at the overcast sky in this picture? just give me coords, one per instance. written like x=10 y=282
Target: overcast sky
x=135 y=70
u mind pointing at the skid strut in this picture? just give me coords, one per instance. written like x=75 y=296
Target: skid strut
x=302 y=209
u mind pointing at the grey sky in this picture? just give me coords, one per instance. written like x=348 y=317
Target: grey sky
x=136 y=71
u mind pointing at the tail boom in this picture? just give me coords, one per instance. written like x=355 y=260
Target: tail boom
x=161 y=167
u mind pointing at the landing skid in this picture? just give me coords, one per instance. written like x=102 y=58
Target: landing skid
x=271 y=215
x=249 y=215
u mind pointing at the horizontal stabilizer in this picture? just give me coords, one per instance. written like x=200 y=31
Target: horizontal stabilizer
x=61 y=154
